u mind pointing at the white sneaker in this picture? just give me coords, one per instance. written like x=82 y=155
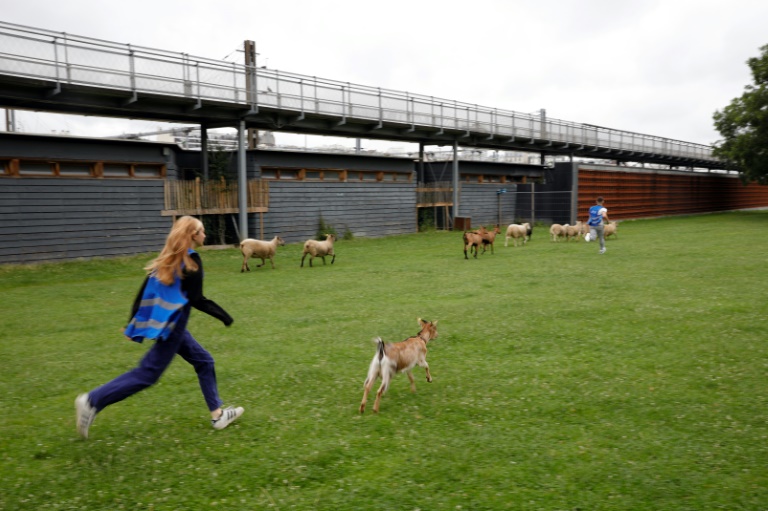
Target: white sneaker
x=602 y=251
x=84 y=414
x=228 y=416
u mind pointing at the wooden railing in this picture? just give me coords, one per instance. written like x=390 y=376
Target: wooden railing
x=436 y=194
x=213 y=197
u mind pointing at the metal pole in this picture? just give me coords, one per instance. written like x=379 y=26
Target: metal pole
x=574 y=191
x=455 y=180
x=242 y=181
x=498 y=196
x=10 y=120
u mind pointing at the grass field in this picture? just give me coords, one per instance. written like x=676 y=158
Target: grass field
x=563 y=379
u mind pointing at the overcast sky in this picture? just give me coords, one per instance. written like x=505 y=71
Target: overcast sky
x=654 y=67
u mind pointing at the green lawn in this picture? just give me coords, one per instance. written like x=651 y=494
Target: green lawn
x=563 y=379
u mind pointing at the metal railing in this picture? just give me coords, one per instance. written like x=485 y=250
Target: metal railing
x=69 y=59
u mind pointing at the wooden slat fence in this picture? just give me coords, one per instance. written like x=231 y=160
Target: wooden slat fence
x=436 y=194
x=213 y=197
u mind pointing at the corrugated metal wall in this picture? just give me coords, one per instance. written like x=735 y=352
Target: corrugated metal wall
x=643 y=194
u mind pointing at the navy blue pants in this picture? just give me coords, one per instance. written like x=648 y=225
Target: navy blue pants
x=155 y=362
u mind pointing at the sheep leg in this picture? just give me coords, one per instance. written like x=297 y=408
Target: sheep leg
x=244 y=267
x=323 y=260
x=302 y=260
x=262 y=262
x=272 y=260
x=333 y=258
x=506 y=241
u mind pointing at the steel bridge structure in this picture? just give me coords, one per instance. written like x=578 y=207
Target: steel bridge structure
x=58 y=72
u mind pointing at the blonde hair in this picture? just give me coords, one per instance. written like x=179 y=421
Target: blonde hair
x=168 y=265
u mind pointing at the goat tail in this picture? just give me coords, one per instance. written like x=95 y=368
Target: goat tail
x=379 y=348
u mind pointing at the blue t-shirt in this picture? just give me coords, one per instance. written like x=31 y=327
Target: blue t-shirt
x=595 y=218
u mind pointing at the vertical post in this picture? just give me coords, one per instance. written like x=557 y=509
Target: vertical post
x=421 y=178
x=242 y=180
x=574 y=191
x=10 y=120
x=533 y=203
x=204 y=150
x=251 y=92
x=455 y=180
x=498 y=196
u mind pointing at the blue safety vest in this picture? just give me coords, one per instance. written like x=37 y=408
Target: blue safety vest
x=160 y=308
x=595 y=218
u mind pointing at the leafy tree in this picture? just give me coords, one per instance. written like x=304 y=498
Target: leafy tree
x=744 y=125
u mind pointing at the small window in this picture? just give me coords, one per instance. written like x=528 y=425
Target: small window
x=75 y=170
x=313 y=175
x=117 y=170
x=331 y=175
x=145 y=171
x=34 y=168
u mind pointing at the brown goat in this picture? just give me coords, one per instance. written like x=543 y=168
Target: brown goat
x=472 y=240
x=489 y=237
x=398 y=357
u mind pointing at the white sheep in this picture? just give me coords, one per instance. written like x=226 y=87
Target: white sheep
x=573 y=231
x=518 y=231
x=556 y=231
x=610 y=229
x=260 y=249
x=319 y=249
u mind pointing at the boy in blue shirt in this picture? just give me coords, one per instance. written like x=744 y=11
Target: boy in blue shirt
x=598 y=215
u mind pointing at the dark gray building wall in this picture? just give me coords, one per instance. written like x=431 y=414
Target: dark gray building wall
x=22 y=145
x=365 y=209
x=59 y=219
x=480 y=202
x=328 y=161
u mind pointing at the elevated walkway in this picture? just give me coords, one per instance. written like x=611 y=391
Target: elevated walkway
x=59 y=72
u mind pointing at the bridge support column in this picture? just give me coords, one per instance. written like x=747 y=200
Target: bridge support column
x=242 y=181
x=574 y=191
x=455 y=180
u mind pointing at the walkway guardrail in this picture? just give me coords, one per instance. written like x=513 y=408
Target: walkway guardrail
x=70 y=59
